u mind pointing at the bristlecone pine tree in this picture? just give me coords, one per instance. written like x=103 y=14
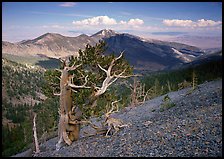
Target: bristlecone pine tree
x=83 y=80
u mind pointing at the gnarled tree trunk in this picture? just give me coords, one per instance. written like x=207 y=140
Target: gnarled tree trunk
x=69 y=126
x=68 y=130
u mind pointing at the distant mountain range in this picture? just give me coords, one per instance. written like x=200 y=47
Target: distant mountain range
x=143 y=54
x=204 y=42
x=215 y=57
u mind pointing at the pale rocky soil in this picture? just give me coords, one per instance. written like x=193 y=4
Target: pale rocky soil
x=193 y=127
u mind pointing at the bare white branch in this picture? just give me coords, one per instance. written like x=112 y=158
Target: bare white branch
x=119 y=56
x=73 y=67
x=112 y=82
x=110 y=78
x=56 y=94
x=74 y=90
x=116 y=101
x=107 y=114
x=82 y=75
x=120 y=75
x=58 y=78
x=35 y=134
x=82 y=86
x=102 y=68
x=112 y=63
x=58 y=70
x=62 y=61
x=146 y=95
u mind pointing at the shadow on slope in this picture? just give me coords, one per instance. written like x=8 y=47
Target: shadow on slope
x=50 y=63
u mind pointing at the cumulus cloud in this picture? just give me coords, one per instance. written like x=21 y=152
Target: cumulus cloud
x=99 y=20
x=190 y=23
x=68 y=4
x=123 y=22
x=135 y=22
x=205 y=23
x=177 y=22
x=105 y=20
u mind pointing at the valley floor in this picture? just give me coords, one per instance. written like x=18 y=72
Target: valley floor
x=193 y=127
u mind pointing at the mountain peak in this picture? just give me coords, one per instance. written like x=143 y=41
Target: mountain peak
x=83 y=35
x=51 y=35
x=104 y=33
x=43 y=38
x=108 y=31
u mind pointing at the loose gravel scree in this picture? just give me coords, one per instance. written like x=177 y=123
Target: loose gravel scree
x=193 y=127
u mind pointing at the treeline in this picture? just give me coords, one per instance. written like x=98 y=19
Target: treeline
x=160 y=83
x=164 y=82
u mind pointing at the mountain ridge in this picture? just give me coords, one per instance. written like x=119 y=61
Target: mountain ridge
x=143 y=54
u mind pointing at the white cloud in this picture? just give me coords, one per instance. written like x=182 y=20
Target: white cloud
x=135 y=22
x=105 y=20
x=205 y=23
x=190 y=23
x=123 y=22
x=99 y=20
x=177 y=22
x=68 y=4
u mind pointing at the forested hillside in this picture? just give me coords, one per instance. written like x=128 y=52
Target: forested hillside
x=22 y=95
x=21 y=82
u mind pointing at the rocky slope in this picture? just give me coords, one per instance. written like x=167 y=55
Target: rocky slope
x=49 y=44
x=151 y=55
x=192 y=128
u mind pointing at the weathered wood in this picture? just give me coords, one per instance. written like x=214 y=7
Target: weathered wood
x=69 y=125
x=35 y=134
x=68 y=132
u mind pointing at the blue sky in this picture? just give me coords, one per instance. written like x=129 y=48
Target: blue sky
x=28 y=20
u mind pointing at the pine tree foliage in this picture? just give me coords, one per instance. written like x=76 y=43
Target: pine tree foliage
x=90 y=58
